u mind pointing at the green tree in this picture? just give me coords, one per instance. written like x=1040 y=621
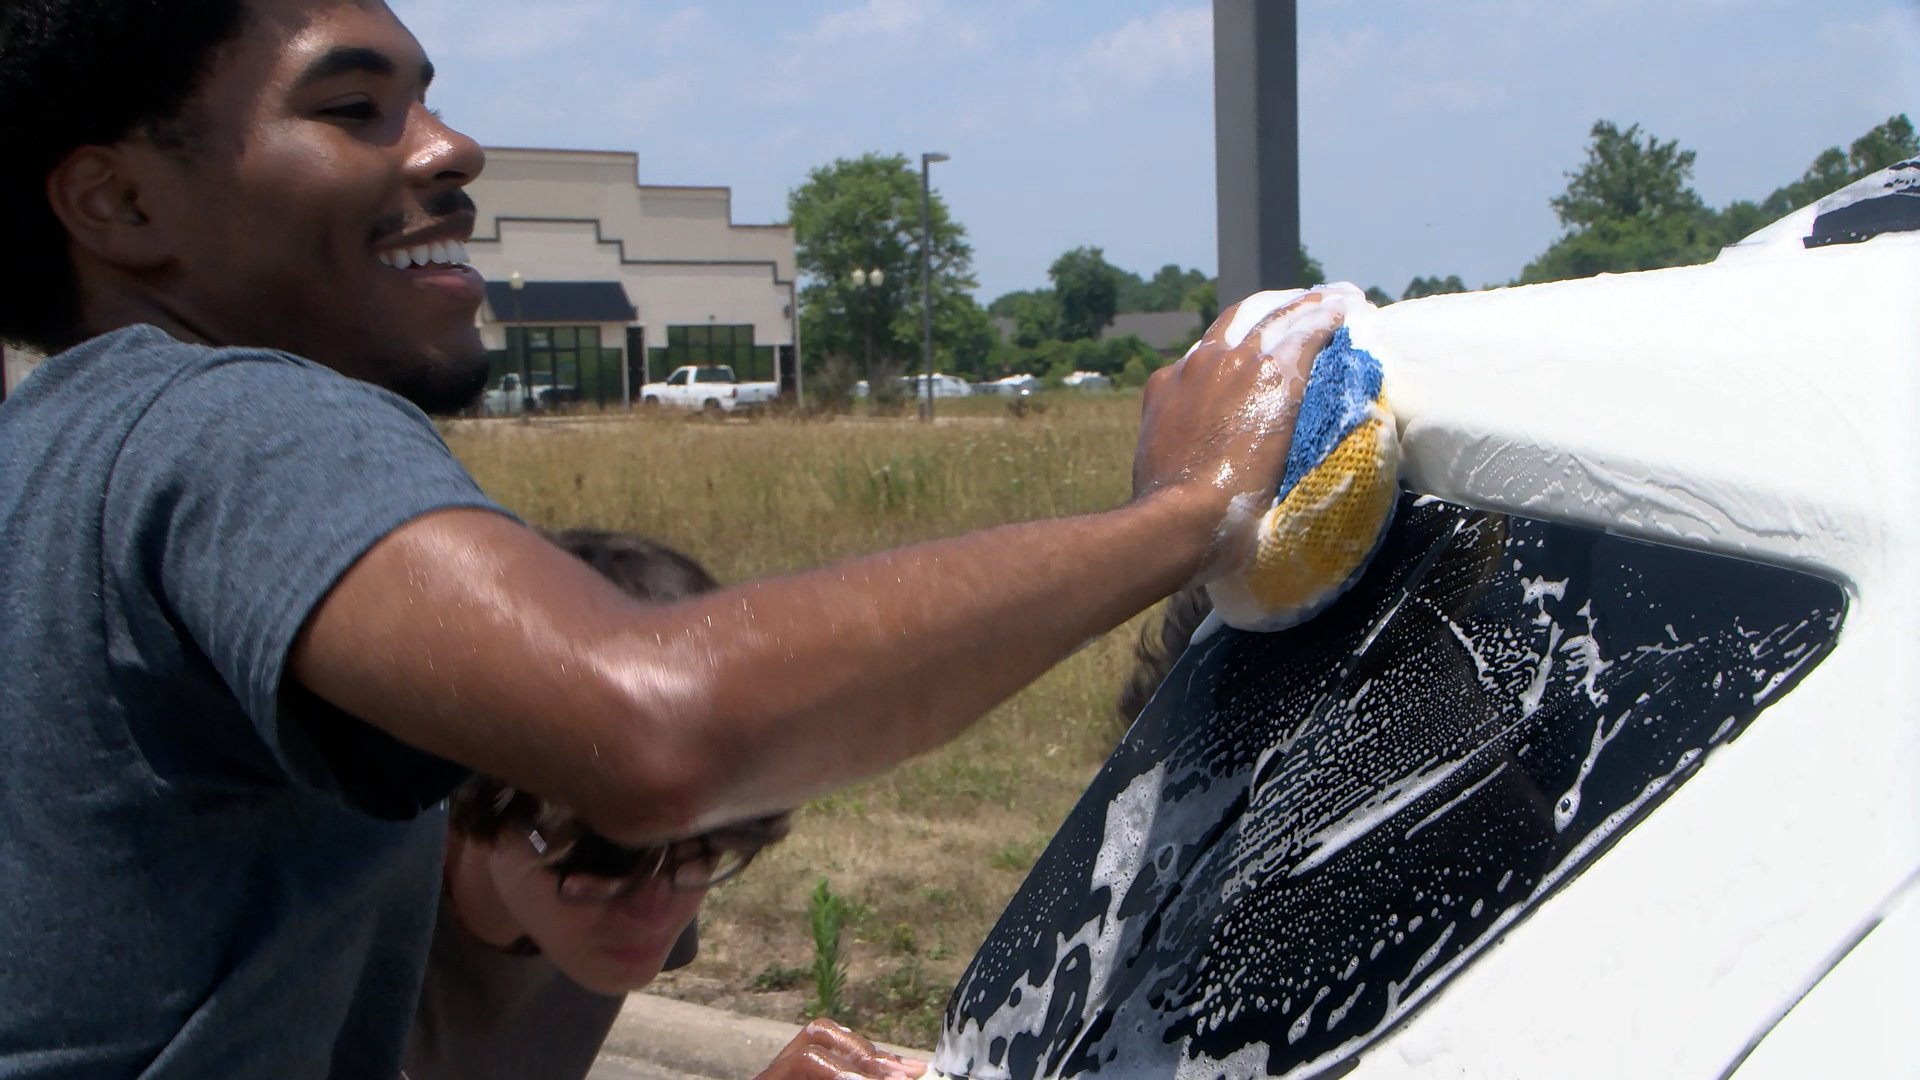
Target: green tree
x=1612 y=247
x=1167 y=290
x=1833 y=169
x=1629 y=207
x=1433 y=286
x=963 y=337
x=1111 y=356
x=1627 y=177
x=1131 y=292
x=1005 y=305
x=1204 y=300
x=1036 y=318
x=1311 y=272
x=1378 y=296
x=1087 y=288
x=864 y=214
x=1740 y=218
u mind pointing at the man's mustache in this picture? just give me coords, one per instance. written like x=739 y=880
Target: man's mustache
x=445 y=204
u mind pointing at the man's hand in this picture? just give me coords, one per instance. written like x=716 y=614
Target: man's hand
x=1216 y=425
x=823 y=1050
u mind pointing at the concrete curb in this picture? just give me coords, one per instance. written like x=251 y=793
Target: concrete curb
x=700 y=1041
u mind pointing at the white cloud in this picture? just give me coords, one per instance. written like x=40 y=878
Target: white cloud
x=887 y=19
x=1877 y=56
x=643 y=103
x=1168 y=45
x=853 y=50
x=464 y=30
x=1454 y=69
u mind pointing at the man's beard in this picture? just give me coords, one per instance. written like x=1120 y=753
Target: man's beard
x=441 y=388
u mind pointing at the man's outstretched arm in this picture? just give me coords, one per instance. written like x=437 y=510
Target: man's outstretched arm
x=470 y=636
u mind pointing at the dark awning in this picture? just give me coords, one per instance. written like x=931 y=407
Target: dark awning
x=561 y=302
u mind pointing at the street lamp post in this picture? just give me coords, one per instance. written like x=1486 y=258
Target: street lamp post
x=926 y=272
x=515 y=283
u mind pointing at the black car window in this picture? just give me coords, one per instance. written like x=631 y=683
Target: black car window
x=1886 y=202
x=1308 y=833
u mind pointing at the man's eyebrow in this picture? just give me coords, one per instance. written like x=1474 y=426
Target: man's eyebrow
x=351 y=59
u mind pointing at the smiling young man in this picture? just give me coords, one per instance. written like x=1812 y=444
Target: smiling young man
x=259 y=620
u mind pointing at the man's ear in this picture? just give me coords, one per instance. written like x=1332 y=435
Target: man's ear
x=96 y=193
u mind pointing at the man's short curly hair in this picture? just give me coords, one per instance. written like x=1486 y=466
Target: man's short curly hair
x=77 y=73
x=643 y=569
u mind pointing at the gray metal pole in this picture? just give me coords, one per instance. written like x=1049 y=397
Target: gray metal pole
x=793 y=328
x=926 y=276
x=1256 y=120
x=626 y=380
x=526 y=376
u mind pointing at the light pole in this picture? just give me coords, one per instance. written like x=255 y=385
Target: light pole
x=926 y=272
x=515 y=283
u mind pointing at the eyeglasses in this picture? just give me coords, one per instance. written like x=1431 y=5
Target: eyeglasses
x=590 y=869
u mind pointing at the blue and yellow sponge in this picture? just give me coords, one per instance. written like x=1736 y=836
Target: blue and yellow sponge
x=1335 y=500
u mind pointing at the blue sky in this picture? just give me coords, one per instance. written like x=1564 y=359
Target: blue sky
x=1432 y=133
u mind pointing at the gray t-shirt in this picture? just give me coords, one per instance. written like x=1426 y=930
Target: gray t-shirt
x=204 y=871
x=502 y=1014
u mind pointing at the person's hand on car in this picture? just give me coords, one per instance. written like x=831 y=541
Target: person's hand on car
x=1216 y=426
x=823 y=1050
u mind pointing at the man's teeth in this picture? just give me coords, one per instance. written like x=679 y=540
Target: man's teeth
x=444 y=253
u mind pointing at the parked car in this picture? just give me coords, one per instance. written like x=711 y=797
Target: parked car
x=508 y=398
x=707 y=387
x=915 y=386
x=944 y=386
x=1011 y=386
x=1087 y=380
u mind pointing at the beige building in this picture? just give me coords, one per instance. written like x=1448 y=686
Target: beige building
x=626 y=279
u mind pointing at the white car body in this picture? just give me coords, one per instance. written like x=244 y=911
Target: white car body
x=1764 y=921
x=1744 y=907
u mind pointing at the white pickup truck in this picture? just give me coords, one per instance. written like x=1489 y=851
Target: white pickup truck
x=709 y=387
x=508 y=398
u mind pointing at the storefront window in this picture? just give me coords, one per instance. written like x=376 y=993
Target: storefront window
x=714 y=344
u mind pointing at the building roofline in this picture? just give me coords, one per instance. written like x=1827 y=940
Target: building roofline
x=600 y=237
x=634 y=156
x=687 y=187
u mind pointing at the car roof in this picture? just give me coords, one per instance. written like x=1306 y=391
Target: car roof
x=1756 y=405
